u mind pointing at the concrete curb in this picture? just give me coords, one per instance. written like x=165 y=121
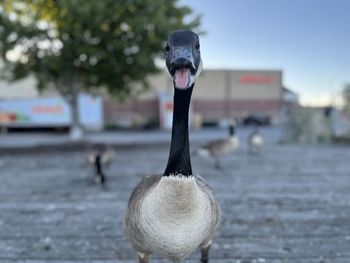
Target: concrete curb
x=71 y=147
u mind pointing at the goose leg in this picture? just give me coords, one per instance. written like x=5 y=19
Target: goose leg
x=103 y=179
x=217 y=164
x=205 y=254
x=143 y=258
x=250 y=150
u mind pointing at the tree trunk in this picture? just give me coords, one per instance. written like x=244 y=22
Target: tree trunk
x=76 y=132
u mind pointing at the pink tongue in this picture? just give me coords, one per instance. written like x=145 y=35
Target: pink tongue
x=181 y=78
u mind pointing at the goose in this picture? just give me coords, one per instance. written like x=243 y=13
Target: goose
x=99 y=158
x=222 y=147
x=255 y=141
x=175 y=213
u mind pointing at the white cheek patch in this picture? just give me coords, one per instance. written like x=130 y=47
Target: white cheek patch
x=199 y=71
x=200 y=68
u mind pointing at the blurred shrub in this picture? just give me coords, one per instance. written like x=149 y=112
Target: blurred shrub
x=306 y=125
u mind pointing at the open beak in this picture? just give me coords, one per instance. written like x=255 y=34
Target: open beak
x=182 y=68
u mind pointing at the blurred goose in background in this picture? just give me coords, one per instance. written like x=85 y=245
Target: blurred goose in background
x=175 y=213
x=100 y=157
x=222 y=147
x=255 y=141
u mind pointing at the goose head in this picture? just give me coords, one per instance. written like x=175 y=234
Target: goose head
x=183 y=58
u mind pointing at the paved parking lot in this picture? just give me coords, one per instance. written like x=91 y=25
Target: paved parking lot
x=290 y=204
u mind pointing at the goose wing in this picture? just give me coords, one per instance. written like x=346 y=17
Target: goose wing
x=90 y=158
x=216 y=212
x=131 y=227
x=142 y=187
x=217 y=144
x=221 y=146
x=107 y=157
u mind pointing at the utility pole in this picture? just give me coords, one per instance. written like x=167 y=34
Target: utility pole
x=227 y=94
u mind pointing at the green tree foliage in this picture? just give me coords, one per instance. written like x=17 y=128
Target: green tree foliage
x=346 y=97
x=85 y=44
x=109 y=43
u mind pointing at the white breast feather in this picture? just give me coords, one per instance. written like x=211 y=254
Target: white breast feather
x=257 y=141
x=176 y=216
x=234 y=143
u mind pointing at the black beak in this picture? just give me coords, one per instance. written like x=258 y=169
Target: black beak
x=182 y=58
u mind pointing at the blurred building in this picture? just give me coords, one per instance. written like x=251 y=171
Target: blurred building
x=290 y=98
x=22 y=106
x=218 y=95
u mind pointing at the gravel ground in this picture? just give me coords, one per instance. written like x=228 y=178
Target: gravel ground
x=289 y=204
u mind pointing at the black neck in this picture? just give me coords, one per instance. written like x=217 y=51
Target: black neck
x=179 y=161
x=98 y=164
x=232 y=130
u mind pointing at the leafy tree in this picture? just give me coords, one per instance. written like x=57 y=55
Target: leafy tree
x=346 y=97
x=78 y=45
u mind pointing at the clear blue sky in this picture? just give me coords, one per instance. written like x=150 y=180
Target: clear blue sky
x=308 y=39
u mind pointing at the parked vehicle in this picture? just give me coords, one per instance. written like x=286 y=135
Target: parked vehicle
x=257 y=119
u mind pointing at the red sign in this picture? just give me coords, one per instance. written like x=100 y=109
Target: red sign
x=169 y=106
x=251 y=79
x=47 y=109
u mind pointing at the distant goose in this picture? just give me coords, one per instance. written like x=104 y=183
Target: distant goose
x=100 y=158
x=176 y=213
x=255 y=141
x=219 y=148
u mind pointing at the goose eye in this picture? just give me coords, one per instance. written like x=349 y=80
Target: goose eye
x=167 y=48
x=197 y=45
